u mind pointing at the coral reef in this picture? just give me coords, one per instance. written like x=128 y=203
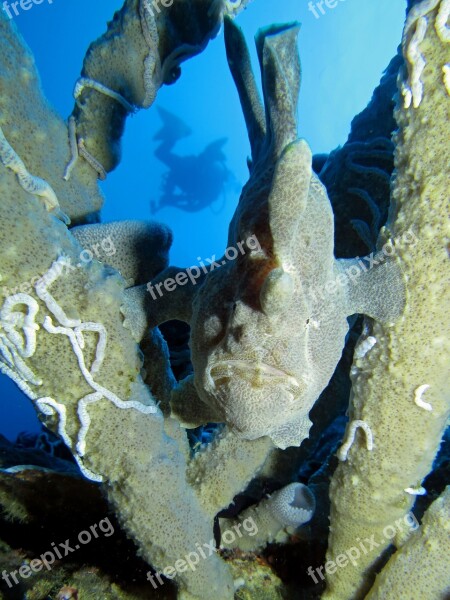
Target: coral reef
x=70 y=321
x=400 y=386
x=268 y=325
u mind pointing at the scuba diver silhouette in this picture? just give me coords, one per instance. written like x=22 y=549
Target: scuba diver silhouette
x=194 y=181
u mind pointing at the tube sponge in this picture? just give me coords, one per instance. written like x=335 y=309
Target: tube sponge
x=272 y=520
x=293 y=505
x=406 y=372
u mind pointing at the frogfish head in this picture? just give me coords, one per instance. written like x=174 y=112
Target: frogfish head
x=250 y=354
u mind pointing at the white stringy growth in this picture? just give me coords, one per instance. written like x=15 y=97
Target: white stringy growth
x=418 y=397
x=85 y=82
x=364 y=346
x=412 y=90
x=446 y=71
x=91 y=160
x=156 y=72
x=10 y=320
x=443 y=32
x=77 y=146
x=18 y=341
x=13 y=374
x=77 y=149
x=420 y=491
x=31 y=184
x=101 y=345
x=354 y=425
x=442 y=29
x=49 y=406
x=73 y=144
x=42 y=292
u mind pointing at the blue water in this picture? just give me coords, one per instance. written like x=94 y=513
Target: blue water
x=344 y=52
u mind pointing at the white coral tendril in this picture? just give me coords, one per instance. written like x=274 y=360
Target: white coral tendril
x=31 y=184
x=412 y=90
x=420 y=491
x=16 y=346
x=442 y=29
x=418 y=397
x=354 y=425
x=85 y=82
x=41 y=290
x=10 y=320
x=73 y=329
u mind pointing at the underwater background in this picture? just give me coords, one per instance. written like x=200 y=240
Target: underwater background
x=343 y=54
x=276 y=428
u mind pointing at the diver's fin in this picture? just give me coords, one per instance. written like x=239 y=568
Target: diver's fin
x=375 y=287
x=173 y=128
x=213 y=151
